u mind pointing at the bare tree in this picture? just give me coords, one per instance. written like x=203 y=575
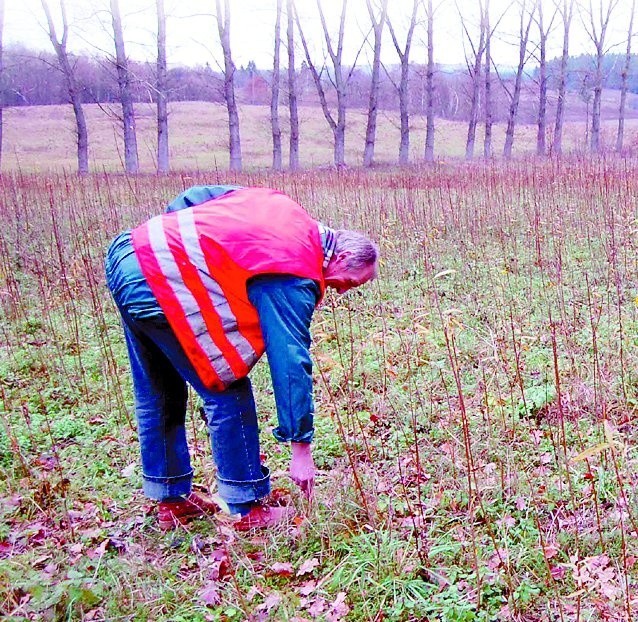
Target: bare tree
x=73 y=88
x=624 y=74
x=223 y=26
x=525 y=24
x=293 y=156
x=487 y=142
x=474 y=70
x=567 y=12
x=162 y=91
x=402 y=88
x=371 y=128
x=274 y=95
x=338 y=125
x=429 y=86
x=543 y=31
x=597 y=31
x=126 y=97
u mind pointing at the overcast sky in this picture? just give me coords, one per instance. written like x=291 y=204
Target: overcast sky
x=192 y=37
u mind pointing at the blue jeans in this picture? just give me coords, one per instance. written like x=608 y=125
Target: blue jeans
x=160 y=372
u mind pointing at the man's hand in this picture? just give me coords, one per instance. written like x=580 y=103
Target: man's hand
x=302 y=467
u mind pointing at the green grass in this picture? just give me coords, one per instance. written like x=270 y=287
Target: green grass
x=452 y=481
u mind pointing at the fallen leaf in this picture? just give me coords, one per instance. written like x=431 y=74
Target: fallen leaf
x=99 y=551
x=283 y=569
x=307 y=588
x=76 y=548
x=558 y=572
x=48 y=463
x=592 y=451
x=339 y=608
x=219 y=564
x=272 y=601
x=210 y=594
x=308 y=566
x=317 y=607
x=550 y=549
x=129 y=470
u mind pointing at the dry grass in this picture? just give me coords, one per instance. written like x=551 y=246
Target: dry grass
x=42 y=138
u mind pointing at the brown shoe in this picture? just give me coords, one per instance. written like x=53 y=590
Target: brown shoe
x=173 y=513
x=263 y=516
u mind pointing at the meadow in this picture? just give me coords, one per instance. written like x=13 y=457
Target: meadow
x=475 y=408
x=41 y=139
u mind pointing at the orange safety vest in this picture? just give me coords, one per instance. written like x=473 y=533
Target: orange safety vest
x=198 y=260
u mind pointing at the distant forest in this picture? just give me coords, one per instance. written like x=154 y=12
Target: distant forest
x=33 y=78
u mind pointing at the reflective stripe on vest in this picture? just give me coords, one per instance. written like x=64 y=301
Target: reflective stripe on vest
x=195 y=290
x=186 y=219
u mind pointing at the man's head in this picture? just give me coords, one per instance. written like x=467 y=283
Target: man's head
x=354 y=261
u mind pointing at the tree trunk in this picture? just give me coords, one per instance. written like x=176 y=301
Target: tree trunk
x=595 y=109
x=475 y=75
x=337 y=126
x=567 y=12
x=274 y=96
x=487 y=143
x=371 y=128
x=404 y=114
x=162 y=92
x=73 y=88
x=516 y=93
x=625 y=74
x=402 y=89
x=293 y=157
x=542 y=84
x=429 y=82
x=126 y=97
x=223 y=25
x=597 y=33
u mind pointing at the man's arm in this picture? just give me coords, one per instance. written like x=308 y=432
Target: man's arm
x=285 y=305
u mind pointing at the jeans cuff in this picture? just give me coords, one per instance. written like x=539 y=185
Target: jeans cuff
x=159 y=488
x=233 y=491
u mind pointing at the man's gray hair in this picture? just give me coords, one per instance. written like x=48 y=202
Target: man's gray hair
x=364 y=251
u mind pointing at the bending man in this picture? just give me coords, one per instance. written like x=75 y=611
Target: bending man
x=226 y=274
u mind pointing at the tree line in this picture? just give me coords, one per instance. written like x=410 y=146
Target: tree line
x=482 y=93
x=32 y=78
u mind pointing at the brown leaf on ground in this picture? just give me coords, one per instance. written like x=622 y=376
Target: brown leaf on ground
x=307 y=588
x=338 y=609
x=308 y=566
x=272 y=601
x=219 y=564
x=283 y=569
x=210 y=594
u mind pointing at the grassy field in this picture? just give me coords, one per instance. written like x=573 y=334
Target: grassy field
x=41 y=138
x=476 y=406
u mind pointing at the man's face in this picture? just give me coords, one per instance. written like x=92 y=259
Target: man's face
x=342 y=278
